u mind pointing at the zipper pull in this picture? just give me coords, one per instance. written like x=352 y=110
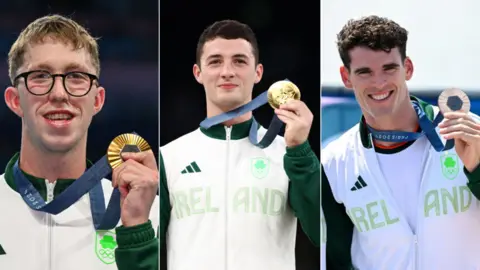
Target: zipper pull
x=228 y=131
x=50 y=190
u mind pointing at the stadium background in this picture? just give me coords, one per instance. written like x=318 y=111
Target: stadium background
x=129 y=66
x=289 y=48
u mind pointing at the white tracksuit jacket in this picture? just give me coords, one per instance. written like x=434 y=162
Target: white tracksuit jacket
x=38 y=241
x=448 y=222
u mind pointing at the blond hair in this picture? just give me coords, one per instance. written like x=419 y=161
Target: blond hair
x=57 y=27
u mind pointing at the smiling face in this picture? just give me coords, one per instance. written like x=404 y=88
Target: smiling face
x=375 y=66
x=56 y=122
x=378 y=79
x=228 y=72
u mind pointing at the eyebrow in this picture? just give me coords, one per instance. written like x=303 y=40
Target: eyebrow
x=367 y=69
x=238 y=55
x=67 y=68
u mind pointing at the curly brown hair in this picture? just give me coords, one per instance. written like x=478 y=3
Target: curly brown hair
x=374 y=32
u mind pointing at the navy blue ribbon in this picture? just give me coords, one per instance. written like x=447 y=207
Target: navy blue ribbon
x=90 y=182
x=273 y=129
x=428 y=129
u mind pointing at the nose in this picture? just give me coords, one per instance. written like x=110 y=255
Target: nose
x=227 y=71
x=58 y=92
x=379 y=81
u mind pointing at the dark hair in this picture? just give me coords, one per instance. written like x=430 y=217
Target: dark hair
x=227 y=29
x=374 y=32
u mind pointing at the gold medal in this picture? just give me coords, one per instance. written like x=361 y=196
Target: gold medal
x=125 y=143
x=453 y=99
x=281 y=92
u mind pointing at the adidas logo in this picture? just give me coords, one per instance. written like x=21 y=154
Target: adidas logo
x=192 y=168
x=2 y=251
x=359 y=184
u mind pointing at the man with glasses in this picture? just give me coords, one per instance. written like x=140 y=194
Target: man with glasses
x=54 y=68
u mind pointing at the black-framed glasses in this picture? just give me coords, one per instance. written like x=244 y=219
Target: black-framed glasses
x=40 y=82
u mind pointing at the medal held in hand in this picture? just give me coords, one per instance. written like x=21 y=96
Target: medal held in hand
x=450 y=100
x=281 y=92
x=122 y=144
x=277 y=94
x=453 y=99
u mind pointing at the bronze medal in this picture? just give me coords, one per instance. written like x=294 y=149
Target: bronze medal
x=453 y=99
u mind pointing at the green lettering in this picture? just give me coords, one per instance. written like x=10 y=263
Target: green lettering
x=373 y=215
x=208 y=201
x=358 y=215
x=432 y=202
x=453 y=198
x=465 y=194
x=258 y=197
x=387 y=216
x=277 y=203
x=180 y=204
x=195 y=200
x=241 y=198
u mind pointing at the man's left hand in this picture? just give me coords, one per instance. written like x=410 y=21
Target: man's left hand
x=466 y=132
x=298 y=120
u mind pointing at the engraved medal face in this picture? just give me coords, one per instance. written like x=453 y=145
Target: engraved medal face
x=281 y=92
x=122 y=144
x=453 y=99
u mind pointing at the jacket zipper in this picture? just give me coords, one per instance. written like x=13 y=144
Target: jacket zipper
x=228 y=131
x=426 y=164
x=415 y=242
x=50 y=189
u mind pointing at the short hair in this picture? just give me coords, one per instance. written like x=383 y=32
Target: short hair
x=228 y=29
x=53 y=26
x=373 y=32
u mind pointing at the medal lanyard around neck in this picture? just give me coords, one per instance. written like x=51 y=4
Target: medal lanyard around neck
x=428 y=129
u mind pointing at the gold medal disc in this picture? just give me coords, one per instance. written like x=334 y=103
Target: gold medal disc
x=281 y=92
x=125 y=143
x=453 y=99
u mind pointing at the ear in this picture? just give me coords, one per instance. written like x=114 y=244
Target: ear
x=259 y=73
x=345 y=74
x=408 y=64
x=99 y=100
x=12 y=99
x=197 y=73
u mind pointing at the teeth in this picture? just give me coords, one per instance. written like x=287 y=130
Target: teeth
x=58 y=116
x=380 y=97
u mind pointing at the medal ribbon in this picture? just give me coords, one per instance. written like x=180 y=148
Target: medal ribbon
x=90 y=182
x=273 y=129
x=428 y=129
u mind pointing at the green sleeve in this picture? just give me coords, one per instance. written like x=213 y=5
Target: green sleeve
x=137 y=247
x=303 y=169
x=339 y=230
x=165 y=208
x=474 y=181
